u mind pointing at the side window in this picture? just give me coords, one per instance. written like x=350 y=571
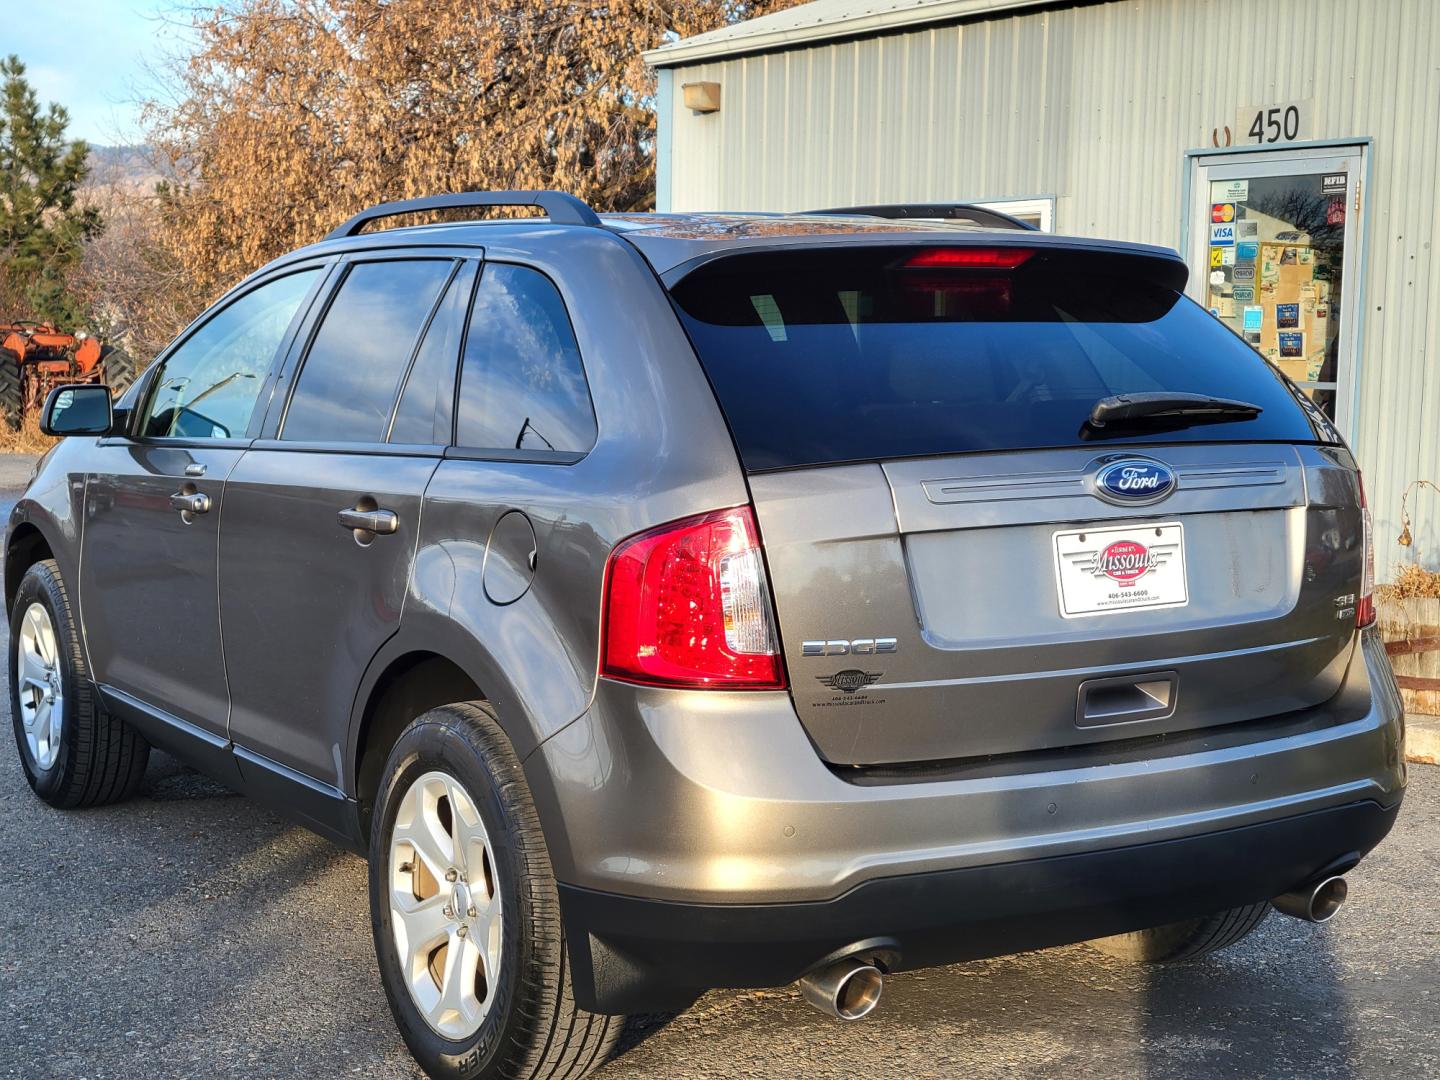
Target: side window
x=522 y=386
x=428 y=400
x=352 y=372
x=208 y=386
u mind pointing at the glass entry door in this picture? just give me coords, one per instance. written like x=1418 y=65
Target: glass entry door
x=1275 y=256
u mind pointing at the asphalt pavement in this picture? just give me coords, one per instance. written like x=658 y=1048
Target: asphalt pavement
x=190 y=933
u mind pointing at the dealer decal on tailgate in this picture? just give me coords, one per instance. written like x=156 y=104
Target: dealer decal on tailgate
x=1125 y=568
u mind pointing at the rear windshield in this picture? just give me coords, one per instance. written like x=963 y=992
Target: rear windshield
x=863 y=354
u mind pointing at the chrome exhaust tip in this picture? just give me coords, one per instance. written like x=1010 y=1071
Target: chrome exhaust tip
x=847 y=989
x=1314 y=903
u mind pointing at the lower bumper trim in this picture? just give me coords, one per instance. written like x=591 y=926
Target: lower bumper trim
x=630 y=954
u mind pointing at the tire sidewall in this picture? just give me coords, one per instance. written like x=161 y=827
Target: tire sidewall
x=41 y=584
x=434 y=742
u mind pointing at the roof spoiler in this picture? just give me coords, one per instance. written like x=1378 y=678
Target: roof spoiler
x=561 y=207
x=979 y=215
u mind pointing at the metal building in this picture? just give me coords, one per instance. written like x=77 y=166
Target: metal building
x=1289 y=148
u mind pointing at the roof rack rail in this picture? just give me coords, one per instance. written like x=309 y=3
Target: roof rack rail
x=980 y=215
x=561 y=207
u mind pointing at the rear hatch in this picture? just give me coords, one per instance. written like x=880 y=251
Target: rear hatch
x=968 y=557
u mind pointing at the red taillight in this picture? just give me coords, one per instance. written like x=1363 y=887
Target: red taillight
x=1365 y=607
x=969 y=258
x=687 y=604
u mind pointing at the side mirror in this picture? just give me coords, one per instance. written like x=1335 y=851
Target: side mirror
x=81 y=409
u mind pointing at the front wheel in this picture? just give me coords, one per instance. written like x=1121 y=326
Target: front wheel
x=74 y=753
x=1177 y=942
x=465 y=910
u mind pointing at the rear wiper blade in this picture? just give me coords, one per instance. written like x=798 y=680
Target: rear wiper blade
x=1161 y=407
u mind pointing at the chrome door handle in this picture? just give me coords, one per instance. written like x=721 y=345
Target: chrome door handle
x=198 y=503
x=380 y=522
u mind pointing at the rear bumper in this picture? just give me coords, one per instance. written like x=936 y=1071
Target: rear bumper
x=700 y=841
x=636 y=955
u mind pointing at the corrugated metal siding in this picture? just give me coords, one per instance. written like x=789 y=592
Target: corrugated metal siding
x=1096 y=105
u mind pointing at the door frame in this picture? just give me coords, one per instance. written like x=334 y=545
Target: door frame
x=1356 y=262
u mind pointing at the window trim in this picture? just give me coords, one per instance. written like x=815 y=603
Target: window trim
x=258 y=411
x=300 y=348
x=465 y=452
x=460 y=268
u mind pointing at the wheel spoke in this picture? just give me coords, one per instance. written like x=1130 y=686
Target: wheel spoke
x=457 y=992
x=39 y=721
x=423 y=832
x=32 y=666
x=424 y=924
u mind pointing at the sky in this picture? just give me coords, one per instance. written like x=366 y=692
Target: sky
x=92 y=56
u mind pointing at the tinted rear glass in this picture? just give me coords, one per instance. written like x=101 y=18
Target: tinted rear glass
x=859 y=355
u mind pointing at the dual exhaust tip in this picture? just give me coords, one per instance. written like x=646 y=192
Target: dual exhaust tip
x=846 y=989
x=850 y=989
x=1317 y=902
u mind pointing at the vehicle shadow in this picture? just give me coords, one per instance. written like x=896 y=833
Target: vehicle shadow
x=1273 y=1005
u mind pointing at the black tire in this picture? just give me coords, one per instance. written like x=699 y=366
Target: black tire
x=1177 y=942
x=12 y=390
x=99 y=759
x=118 y=369
x=533 y=1029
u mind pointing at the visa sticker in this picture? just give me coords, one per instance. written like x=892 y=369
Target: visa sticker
x=1222 y=235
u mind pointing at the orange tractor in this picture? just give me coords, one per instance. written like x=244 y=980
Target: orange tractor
x=34 y=357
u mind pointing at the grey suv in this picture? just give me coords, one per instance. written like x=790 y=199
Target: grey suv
x=665 y=602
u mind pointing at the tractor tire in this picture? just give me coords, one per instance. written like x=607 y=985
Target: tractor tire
x=118 y=370
x=12 y=389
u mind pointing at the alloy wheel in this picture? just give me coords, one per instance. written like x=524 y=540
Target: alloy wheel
x=445 y=907
x=40 y=686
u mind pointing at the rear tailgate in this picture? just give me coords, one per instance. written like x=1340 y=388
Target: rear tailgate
x=956 y=560
x=953 y=576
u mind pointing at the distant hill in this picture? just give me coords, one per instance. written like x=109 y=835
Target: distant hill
x=127 y=167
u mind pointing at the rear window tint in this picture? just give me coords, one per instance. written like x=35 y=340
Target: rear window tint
x=820 y=357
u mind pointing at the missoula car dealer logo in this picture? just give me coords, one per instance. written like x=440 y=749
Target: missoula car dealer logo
x=1126 y=562
x=849 y=680
x=1134 y=480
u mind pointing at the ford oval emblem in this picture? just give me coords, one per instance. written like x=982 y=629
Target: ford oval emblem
x=1134 y=480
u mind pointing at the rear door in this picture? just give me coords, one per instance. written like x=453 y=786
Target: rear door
x=321 y=518
x=963 y=564
x=153 y=506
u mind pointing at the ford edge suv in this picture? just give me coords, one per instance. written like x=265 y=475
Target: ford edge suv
x=666 y=602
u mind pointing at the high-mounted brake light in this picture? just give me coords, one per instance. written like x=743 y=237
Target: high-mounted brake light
x=687 y=604
x=969 y=258
x=1365 y=608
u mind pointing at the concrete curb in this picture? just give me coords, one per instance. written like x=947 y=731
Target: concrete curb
x=1422 y=739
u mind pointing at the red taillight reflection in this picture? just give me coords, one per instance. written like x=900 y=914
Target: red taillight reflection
x=969 y=258
x=688 y=605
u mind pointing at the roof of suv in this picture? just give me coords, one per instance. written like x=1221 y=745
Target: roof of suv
x=672 y=241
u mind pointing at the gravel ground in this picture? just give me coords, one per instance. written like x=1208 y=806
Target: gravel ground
x=189 y=933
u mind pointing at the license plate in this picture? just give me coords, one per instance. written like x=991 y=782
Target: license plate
x=1122 y=568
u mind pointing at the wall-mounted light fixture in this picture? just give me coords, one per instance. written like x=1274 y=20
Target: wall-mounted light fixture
x=702 y=97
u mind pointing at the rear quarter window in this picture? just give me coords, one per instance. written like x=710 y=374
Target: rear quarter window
x=522 y=384
x=829 y=356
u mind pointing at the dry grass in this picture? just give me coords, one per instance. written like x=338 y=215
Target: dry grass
x=27 y=439
x=1416 y=583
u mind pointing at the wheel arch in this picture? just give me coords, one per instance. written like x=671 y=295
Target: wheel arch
x=26 y=546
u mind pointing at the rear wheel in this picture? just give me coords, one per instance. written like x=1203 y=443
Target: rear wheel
x=73 y=752
x=465 y=911
x=1177 y=942
x=117 y=369
x=12 y=396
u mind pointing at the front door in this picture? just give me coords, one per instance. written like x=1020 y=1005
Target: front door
x=1275 y=256
x=153 y=508
x=321 y=521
